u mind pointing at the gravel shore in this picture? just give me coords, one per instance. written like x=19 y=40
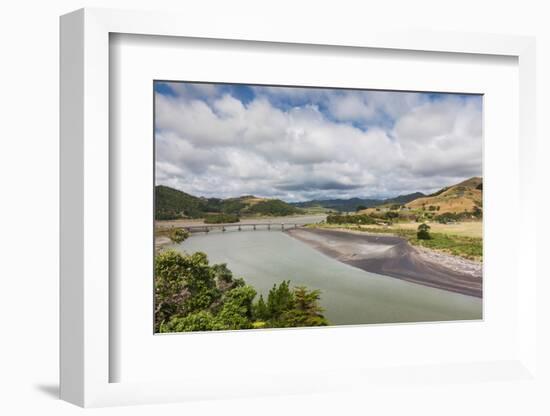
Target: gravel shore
x=393 y=256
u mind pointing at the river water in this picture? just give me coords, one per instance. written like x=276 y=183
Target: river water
x=349 y=295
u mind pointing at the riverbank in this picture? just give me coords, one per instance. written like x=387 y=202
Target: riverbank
x=290 y=219
x=394 y=256
x=163 y=228
x=458 y=240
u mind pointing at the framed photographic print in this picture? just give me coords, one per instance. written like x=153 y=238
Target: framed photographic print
x=266 y=195
x=326 y=212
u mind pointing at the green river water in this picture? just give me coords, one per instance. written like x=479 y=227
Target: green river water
x=349 y=295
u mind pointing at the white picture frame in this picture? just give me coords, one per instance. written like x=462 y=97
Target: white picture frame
x=85 y=353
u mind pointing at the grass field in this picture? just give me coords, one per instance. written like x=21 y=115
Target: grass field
x=465 y=229
x=463 y=239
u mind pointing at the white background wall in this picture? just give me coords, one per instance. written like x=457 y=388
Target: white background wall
x=29 y=56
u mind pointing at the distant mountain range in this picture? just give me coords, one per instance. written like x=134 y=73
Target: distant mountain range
x=353 y=204
x=171 y=203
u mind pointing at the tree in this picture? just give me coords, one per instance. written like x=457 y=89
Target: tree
x=279 y=300
x=478 y=212
x=183 y=284
x=236 y=312
x=261 y=312
x=306 y=310
x=192 y=295
x=360 y=208
x=178 y=235
x=423 y=232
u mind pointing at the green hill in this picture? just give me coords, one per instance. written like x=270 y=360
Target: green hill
x=466 y=196
x=172 y=204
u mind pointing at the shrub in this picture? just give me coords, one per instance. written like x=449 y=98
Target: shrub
x=178 y=235
x=350 y=219
x=423 y=232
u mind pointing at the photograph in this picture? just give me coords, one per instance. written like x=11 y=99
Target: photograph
x=291 y=206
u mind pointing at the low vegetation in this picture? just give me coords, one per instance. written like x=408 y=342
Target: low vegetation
x=350 y=219
x=178 y=235
x=272 y=207
x=192 y=295
x=221 y=218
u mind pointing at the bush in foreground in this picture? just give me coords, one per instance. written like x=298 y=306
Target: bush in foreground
x=192 y=295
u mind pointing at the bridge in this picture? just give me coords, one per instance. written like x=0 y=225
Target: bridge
x=240 y=227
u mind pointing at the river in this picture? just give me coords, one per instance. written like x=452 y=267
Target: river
x=349 y=295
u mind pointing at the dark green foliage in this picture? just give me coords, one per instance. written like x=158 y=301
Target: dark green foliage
x=183 y=285
x=280 y=299
x=171 y=204
x=423 y=232
x=460 y=216
x=221 y=218
x=447 y=217
x=288 y=308
x=232 y=206
x=191 y=295
x=199 y=321
x=390 y=215
x=478 y=212
x=360 y=208
x=178 y=235
x=306 y=310
x=274 y=207
x=236 y=312
x=350 y=219
x=260 y=310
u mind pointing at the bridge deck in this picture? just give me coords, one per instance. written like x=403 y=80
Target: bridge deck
x=224 y=227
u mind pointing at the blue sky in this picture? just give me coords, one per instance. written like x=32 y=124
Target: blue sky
x=296 y=144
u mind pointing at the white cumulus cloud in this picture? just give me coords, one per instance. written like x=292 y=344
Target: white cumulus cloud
x=298 y=143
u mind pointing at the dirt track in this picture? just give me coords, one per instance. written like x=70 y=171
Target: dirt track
x=395 y=257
